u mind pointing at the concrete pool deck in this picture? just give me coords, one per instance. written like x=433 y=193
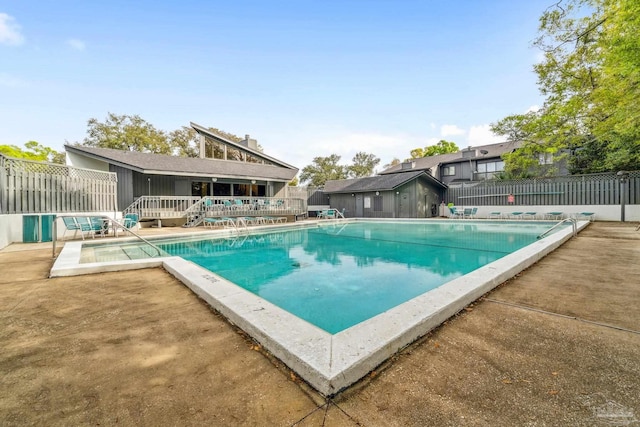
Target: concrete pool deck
x=557 y=345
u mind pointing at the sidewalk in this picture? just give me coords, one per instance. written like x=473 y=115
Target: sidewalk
x=558 y=345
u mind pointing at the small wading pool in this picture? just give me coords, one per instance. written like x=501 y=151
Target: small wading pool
x=334 y=300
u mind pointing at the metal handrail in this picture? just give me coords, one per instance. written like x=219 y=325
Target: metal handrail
x=574 y=224
x=113 y=221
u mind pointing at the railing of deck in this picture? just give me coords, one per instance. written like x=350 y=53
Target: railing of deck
x=158 y=207
x=197 y=208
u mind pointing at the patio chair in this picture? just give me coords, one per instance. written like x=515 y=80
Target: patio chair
x=495 y=215
x=71 y=224
x=88 y=225
x=591 y=216
x=238 y=204
x=456 y=212
x=100 y=225
x=554 y=215
x=214 y=222
x=529 y=215
x=516 y=215
x=131 y=220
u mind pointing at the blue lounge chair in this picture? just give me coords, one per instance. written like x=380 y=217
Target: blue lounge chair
x=130 y=220
x=71 y=224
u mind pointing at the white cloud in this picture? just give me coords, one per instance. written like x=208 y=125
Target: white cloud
x=76 y=44
x=482 y=135
x=10 y=31
x=533 y=108
x=451 y=130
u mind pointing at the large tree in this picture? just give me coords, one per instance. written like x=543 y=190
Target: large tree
x=442 y=147
x=322 y=170
x=590 y=79
x=132 y=133
x=33 y=151
x=127 y=132
x=363 y=165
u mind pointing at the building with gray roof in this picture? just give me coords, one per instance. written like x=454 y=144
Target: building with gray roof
x=224 y=168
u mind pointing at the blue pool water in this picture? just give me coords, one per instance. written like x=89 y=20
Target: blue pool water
x=335 y=276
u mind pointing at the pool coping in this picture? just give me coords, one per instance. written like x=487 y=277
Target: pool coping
x=329 y=362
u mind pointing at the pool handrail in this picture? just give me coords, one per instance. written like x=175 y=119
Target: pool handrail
x=574 y=224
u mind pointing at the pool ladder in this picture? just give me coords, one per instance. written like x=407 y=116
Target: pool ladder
x=574 y=224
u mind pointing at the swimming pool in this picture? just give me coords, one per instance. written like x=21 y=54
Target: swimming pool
x=336 y=276
x=332 y=361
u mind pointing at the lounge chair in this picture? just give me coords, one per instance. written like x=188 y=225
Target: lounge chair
x=456 y=212
x=213 y=222
x=71 y=224
x=529 y=215
x=495 y=215
x=591 y=216
x=90 y=226
x=130 y=220
x=554 y=215
x=516 y=215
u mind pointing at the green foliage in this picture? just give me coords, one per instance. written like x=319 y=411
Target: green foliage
x=393 y=162
x=132 y=133
x=590 y=76
x=126 y=132
x=33 y=151
x=322 y=170
x=294 y=182
x=184 y=142
x=363 y=165
x=442 y=147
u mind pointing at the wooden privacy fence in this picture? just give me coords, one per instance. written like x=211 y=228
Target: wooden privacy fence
x=594 y=189
x=36 y=187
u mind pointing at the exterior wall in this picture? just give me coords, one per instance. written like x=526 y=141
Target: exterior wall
x=125 y=186
x=79 y=161
x=10 y=229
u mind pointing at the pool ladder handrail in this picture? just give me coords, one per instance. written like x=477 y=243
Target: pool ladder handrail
x=239 y=221
x=574 y=226
x=114 y=222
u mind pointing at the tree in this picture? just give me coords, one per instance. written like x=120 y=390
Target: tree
x=393 y=162
x=590 y=77
x=33 y=151
x=363 y=165
x=322 y=170
x=132 y=133
x=127 y=132
x=294 y=182
x=442 y=147
x=184 y=142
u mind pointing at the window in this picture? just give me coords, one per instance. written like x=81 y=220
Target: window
x=545 y=158
x=448 y=171
x=488 y=170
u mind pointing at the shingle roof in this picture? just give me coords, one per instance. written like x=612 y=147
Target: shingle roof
x=424 y=163
x=160 y=164
x=376 y=183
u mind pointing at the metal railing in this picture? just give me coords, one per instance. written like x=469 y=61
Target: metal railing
x=158 y=207
x=574 y=224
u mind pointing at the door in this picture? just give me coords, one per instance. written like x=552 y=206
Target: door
x=404 y=210
x=359 y=206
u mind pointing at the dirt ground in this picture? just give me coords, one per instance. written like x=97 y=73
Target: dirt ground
x=559 y=345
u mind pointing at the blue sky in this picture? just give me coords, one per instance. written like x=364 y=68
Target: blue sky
x=305 y=78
